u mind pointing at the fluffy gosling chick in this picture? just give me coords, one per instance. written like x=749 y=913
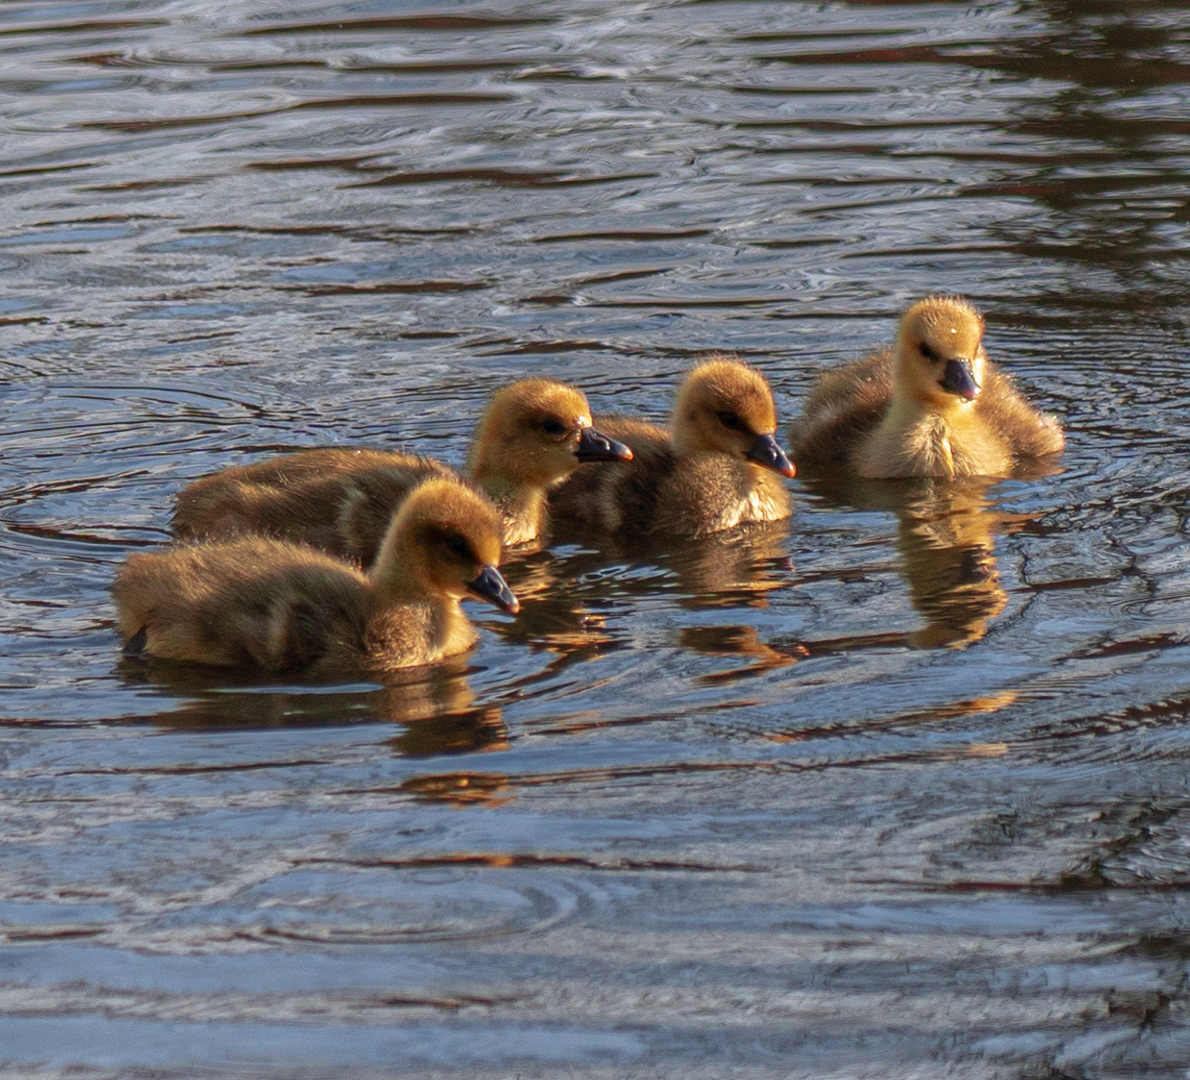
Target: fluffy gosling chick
x=932 y=405
x=532 y=434
x=715 y=468
x=257 y=602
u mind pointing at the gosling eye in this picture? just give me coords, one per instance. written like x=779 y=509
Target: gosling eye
x=927 y=352
x=553 y=427
x=731 y=421
x=457 y=545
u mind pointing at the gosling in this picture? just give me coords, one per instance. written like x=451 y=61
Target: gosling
x=258 y=602
x=932 y=405
x=716 y=467
x=533 y=434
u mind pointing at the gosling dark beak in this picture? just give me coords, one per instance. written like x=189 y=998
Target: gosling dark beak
x=594 y=446
x=490 y=586
x=960 y=380
x=766 y=452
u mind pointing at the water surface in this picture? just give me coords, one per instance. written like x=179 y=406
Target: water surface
x=896 y=789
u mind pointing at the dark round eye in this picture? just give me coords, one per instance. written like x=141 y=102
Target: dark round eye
x=554 y=427
x=457 y=545
x=731 y=420
x=927 y=352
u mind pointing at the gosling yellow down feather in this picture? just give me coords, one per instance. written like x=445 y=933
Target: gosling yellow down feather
x=931 y=405
x=258 y=602
x=533 y=434
x=717 y=466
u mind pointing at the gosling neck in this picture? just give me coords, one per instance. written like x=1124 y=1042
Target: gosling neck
x=440 y=627
x=394 y=575
x=522 y=506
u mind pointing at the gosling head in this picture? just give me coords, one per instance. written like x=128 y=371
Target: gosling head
x=446 y=540
x=940 y=358
x=725 y=406
x=535 y=433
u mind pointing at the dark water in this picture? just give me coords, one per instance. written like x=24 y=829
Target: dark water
x=898 y=789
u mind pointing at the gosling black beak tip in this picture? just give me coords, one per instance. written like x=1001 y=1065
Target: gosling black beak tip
x=959 y=380
x=490 y=586
x=595 y=446
x=767 y=452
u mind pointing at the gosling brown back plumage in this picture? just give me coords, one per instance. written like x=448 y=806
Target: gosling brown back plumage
x=337 y=500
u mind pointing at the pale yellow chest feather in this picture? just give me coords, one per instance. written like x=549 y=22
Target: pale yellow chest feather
x=762 y=504
x=918 y=442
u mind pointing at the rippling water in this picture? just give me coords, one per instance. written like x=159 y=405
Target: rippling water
x=896 y=789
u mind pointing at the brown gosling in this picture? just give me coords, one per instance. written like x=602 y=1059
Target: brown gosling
x=931 y=405
x=258 y=602
x=533 y=434
x=715 y=468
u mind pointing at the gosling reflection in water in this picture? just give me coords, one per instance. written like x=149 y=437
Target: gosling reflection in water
x=555 y=617
x=460 y=789
x=566 y=593
x=743 y=642
x=740 y=567
x=437 y=703
x=946 y=536
x=466 y=730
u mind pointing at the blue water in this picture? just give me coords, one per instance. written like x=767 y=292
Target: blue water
x=895 y=789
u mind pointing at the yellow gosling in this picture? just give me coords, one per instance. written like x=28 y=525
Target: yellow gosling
x=716 y=467
x=258 y=602
x=932 y=405
x=533 y=434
